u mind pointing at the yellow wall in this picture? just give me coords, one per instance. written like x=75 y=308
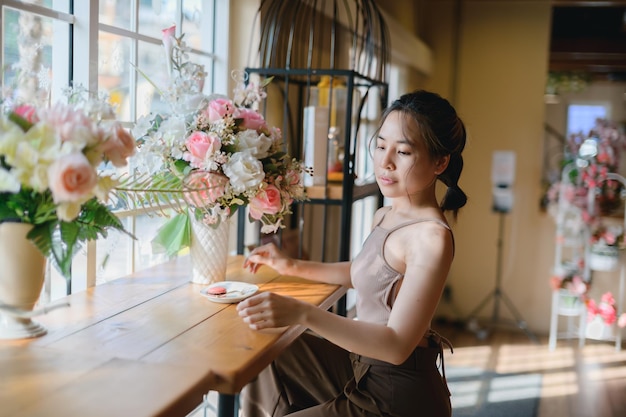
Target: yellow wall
x=496 y=82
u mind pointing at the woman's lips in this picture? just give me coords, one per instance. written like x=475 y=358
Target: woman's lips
x=385 y=180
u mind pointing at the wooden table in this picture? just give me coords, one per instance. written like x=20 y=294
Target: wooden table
x=146 y=345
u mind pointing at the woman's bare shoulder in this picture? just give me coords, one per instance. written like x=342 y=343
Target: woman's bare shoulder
x=380 y=213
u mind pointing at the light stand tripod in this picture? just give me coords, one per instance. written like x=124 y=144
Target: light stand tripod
x=498 y=294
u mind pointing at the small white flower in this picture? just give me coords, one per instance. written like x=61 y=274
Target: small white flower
x=270 y=228
x=144 y=123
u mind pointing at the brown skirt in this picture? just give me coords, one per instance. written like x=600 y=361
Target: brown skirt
x=314 y=377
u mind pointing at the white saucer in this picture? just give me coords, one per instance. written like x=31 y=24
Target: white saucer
x=235 y=291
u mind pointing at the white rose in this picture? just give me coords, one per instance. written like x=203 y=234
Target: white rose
x=253 y=143
x=244 y=170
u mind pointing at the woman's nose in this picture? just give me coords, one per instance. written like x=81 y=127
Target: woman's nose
x=386 y=161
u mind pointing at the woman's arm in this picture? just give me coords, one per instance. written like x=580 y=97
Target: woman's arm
x=327 y=272
x=428 y=260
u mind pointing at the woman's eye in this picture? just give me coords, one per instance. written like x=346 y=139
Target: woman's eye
x=404 y=152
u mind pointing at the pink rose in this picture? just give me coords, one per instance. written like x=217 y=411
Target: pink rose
x=27 y=112
x=199 y=145
x=71 y=178
x=118 y=146
x=267 y=201
x=220 y=108
x=252 y=120
x=205 y=188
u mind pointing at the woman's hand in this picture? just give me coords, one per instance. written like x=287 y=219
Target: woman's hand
x=267 y=310
x=269 y=255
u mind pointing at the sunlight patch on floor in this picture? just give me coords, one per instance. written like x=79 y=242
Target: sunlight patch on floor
x=514 y=387
x=533 y=359
x=557 y=384
x=477 y=356
x=608 y=373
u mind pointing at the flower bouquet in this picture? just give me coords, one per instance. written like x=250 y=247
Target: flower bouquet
x=602 y=316
x=210 y=155
x=50 y=171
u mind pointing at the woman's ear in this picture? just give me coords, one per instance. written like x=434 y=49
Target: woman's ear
x=442 y=164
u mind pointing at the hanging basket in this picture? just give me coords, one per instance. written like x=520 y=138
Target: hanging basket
x=603 y=258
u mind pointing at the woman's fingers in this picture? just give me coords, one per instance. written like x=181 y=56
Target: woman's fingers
x=267 y=310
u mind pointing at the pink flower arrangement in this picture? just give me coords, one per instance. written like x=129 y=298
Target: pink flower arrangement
x=50 y=171
x=222 y=149
x=607 y=236
x=591 y=175
x=606 y=310
x=570 y=279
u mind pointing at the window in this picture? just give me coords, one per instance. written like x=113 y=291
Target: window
x=582 y=117
x=106 y=45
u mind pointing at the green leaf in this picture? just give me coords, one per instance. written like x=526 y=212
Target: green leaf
x=173 y=236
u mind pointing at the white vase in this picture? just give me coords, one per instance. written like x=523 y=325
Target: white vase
x=22 y=273
x=208 y=251
x=598 y=329
x=569 y=304
x=603 y=258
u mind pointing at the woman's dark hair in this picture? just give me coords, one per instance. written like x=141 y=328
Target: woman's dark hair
x=443 y=133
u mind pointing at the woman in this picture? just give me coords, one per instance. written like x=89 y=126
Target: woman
x=384 y=363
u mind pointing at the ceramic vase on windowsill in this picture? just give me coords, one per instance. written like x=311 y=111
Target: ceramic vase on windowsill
x=22 y=273
x=208 y=251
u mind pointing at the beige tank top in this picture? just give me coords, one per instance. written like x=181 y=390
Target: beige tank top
x=373 y=278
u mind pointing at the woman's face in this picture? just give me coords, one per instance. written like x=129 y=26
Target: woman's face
x=402 y=164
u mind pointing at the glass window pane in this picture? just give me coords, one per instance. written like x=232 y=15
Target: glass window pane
x=155 y=16
x=197 y=24
x=152 y=63
x=59 y=6
x=114 y=71
x=116 y=12
x=113 y=253
x=26 y=56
